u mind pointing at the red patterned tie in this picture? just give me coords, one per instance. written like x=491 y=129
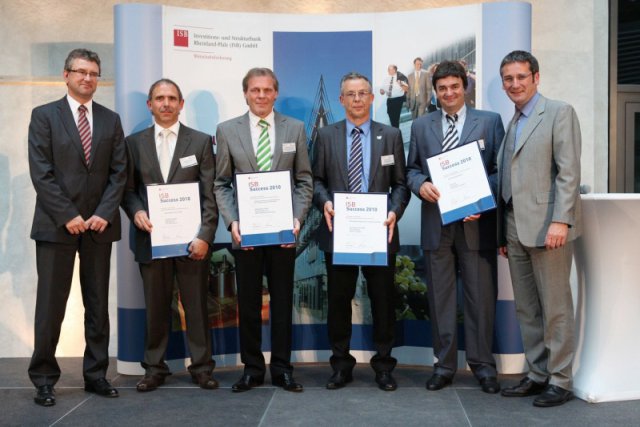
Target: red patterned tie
x=85 y=132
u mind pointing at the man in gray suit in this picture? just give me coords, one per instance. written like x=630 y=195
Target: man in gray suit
x=468 y=245
x=238 y=141
x=77 y=164
x=539 y=217
x=171 y=153
x=383 y=171
x=419 y=92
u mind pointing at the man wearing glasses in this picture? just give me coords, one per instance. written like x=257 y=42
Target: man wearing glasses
x=77 y=163
x=539 y=216
x=381 y=170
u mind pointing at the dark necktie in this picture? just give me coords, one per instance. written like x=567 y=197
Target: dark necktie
x=507 y=156
x=390 y=87
x=451 y=138
x=85 y=132
x=355 y=161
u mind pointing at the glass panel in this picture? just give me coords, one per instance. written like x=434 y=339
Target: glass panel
x=636 y=147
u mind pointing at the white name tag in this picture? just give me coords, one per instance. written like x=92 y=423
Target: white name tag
x=289 y=147
x=387 y=160
x=480 y=144
x=188 y=161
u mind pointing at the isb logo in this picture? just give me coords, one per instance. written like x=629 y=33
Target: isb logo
x=181 y=38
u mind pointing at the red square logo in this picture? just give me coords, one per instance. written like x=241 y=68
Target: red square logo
x=181 y=38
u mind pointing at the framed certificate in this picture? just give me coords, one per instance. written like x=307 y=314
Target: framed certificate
x=174 y=211
x=265 y=208
x=359 y=234
x=461 y=178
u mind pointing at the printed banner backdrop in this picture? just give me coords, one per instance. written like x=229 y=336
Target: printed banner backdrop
x=207 y=53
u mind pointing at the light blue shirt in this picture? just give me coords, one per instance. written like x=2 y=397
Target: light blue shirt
x=525 y=113
x=365 y=139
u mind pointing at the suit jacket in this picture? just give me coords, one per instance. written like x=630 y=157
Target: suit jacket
x=144 y=168
x=235 y=154
x=426 y=141
x=65 y=185
x=330 y=173
x=424 y=86
x=545 y=174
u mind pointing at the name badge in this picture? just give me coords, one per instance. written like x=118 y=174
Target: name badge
x=188 y=161
x=481 y=144
x=387 y=160
x=289 y=147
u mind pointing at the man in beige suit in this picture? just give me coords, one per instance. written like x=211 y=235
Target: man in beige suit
x=538 y=219
x=238 y=142
x=419 y=93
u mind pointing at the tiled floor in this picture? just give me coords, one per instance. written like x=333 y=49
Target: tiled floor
x=361 y=403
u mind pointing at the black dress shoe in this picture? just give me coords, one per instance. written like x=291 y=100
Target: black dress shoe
x=553 y=396
x=246 y=383
x=45 y=395
x=204 y=380
x=526 y=387
x=385 y=381
x=287 y=382
x=490 y=385
x=101 y=387
x=150 y=382
x=339 y=379
x=437 y=382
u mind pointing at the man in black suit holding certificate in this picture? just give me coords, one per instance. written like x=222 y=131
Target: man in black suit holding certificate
x=169 y=152
x=469 y=244
x=360 y=155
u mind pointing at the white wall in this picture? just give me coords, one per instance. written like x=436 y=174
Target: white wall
x=570 y=39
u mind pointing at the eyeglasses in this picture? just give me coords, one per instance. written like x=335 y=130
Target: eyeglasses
x=355 y=95
x=508 y=80
x=91 y=74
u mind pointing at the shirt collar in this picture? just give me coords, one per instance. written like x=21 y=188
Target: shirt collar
x=462 y=113
x=365 y=127
x=173 y=128
x=253 y=119
x=528 y=107
x=75 y=104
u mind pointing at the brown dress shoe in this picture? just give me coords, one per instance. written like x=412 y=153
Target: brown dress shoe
x=204 y=380
x=150 y=382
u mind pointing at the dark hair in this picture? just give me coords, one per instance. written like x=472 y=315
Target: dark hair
x=418 y=59
x=81 y=54
x=521 y=56
x=167 y=82
x=259 y=72
x=354 y=76
x=450 y=69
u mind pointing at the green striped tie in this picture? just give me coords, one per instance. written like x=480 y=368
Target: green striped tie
x=264 y=147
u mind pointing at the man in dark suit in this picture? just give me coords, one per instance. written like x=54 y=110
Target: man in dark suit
x=172 y=153
x=468 y=245
x=237 y=143
x=383 y=170
x=77 y=164
x=539 y=217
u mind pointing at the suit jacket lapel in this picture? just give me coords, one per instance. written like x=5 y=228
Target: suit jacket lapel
x=69 y=123
x=183 y=142
x=470 y=124
x=243 y=127
x=96 y=131
x=340 y=136
x=436 y=128
x=532 y=123
x=280 y=123
x=148 y=150
x=377 y=143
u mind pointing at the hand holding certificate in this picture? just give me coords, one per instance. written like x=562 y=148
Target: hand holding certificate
x=461 y=179
x=359 y=231
x=265 y=208
x=174 y=210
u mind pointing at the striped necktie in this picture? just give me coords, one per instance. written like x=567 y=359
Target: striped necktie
x=85 y=132
x=355 y=161
x=263 y=154
x=451 y=138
